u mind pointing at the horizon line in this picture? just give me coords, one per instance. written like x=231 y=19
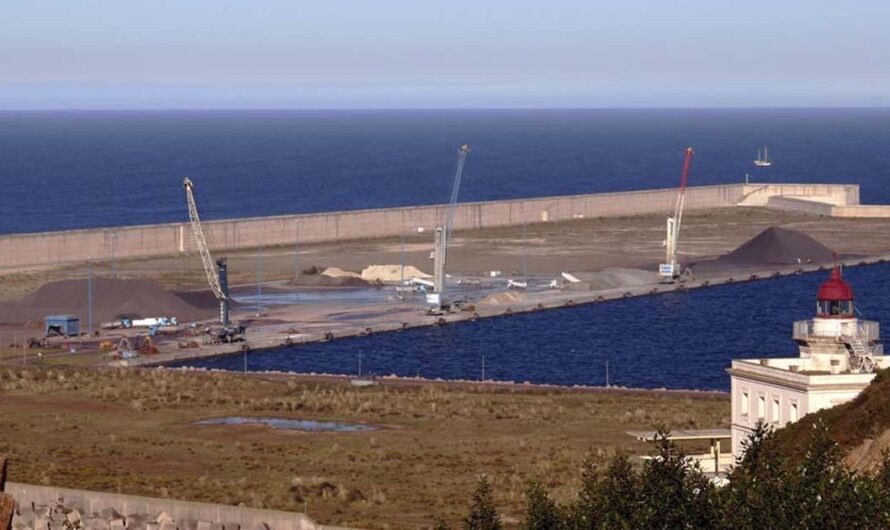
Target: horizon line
x=408 y=109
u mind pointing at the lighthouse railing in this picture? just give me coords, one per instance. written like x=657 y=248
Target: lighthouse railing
x=864 y=330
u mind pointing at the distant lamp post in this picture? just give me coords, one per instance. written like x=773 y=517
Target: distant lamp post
x=90 y=294
x=113 y=263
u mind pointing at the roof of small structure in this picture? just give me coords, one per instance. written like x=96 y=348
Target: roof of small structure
x=835 y=288
x=683 y=434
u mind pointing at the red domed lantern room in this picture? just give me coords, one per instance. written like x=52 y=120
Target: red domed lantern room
x=835 y=297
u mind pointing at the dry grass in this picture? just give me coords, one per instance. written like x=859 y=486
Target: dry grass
x=132 y=431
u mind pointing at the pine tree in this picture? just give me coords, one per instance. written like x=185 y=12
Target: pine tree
x=586 y=512
x=619 y=494
x=674 y=493
x=757 y=494
x=483 y=515
x=826 y=494
x=542 y=513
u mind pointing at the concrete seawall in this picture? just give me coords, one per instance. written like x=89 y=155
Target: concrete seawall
x=21 y=251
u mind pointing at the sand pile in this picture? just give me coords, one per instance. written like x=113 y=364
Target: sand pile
x=391 y=273
x=112 y=299
x=503 y=298
x=779 y=246
x=337 y=272
x=617 y=278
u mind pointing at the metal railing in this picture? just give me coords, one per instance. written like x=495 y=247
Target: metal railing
x=864 y=330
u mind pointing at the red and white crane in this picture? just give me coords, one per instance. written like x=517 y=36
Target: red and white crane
x=670 y=269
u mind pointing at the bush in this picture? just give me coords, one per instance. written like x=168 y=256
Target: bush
x=765 y=490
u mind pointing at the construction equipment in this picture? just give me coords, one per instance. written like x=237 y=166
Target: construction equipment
x=227 y=334
x=670 y=269
x=217 y=277
x=436 y=300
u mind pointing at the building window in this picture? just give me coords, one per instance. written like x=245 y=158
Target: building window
x=761 y=407
x=744 y=403
x=774 y=413
x=792 y=413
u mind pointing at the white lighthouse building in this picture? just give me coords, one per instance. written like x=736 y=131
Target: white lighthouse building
x=838 y=356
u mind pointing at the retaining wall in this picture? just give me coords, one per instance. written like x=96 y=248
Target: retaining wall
x=229 y=516
x=54 y=248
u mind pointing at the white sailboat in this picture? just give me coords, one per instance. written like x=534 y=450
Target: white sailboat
x=763 y=162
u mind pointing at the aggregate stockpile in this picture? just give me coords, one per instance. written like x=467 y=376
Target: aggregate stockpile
x=780 y=246
x=111 y=299
x=775 y=246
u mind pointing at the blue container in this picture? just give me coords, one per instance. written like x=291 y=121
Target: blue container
x=65 y=325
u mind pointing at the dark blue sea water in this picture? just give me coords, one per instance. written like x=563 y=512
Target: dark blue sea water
x=678 y=340
x=62 y=170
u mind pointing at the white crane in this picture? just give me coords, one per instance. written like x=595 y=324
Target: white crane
x=216 y=276
x=670 y=269
x=435 y=299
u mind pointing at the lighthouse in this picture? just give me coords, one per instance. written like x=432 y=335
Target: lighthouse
x=839 y=354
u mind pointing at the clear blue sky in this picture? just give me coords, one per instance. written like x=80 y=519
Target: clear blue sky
x=433 y=53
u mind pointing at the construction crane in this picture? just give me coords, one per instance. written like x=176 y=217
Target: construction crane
x=217 y=276
x=670 y=269
x=436 y=301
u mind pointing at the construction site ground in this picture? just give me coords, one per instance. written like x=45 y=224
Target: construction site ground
x=583 y=247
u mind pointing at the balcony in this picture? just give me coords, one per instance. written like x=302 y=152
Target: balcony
x=844 y=332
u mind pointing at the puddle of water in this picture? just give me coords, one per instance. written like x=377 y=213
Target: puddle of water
x=294 y=425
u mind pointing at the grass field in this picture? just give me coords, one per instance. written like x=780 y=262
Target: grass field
x=132 y=431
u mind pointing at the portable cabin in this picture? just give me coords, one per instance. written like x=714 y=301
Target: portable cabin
x=64 y=325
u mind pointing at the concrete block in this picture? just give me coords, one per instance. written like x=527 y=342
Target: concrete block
x=168 y=526
x=137 y=521
x=96 y=523
x=188 y=524
x=163 y=518
x=117 y=523
x=73 y=516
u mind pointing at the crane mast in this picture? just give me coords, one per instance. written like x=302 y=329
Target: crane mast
x=443 y=233
x=217 y=276
x=670 y=269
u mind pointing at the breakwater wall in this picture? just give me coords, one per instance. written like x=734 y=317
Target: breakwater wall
x=35 y=509
x=21 y=251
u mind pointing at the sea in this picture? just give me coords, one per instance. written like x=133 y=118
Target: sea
x=678 y=340
x=69 y=170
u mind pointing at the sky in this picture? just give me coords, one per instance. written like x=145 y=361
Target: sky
x=181 y=54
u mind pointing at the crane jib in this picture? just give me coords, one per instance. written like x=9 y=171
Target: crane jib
x=203 y=249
